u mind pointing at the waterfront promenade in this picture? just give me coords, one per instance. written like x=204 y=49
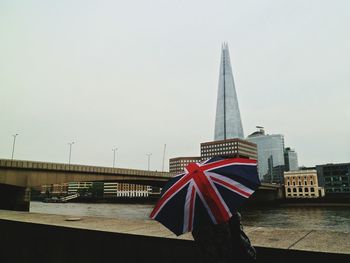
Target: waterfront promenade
x=127 y=238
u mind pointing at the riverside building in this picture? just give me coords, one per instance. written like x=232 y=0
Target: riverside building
x=55 y=189
x=106 y=189
x=335 y=178
x=302 y=184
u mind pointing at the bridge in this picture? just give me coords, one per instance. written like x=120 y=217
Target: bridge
x=18 y=176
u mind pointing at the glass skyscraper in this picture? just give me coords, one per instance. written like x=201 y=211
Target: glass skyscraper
x=270 y=155
x=290 y=159
x=228 y=123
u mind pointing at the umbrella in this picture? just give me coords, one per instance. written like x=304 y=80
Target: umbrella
x=211 y=190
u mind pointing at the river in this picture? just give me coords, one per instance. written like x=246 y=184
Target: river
x=311 y=218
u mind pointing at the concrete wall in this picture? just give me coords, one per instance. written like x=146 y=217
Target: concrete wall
x=14 y=198
x=30 y=242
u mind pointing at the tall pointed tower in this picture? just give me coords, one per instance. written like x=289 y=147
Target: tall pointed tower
x=228 y=123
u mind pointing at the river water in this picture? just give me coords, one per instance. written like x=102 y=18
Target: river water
x=316 y=218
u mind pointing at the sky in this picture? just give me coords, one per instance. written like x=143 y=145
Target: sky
x=139 y=75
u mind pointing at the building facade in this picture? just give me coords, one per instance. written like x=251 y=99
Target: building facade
x=75 y=187
x=335 y=178
x=55 y=189
x=98 y=189
x=177 y=165
x=290 y=160
x=229 y=148
x=302 y=184
x=132 y=190
x=228 y=123
x=270 y=155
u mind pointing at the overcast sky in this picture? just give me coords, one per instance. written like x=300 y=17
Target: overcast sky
x=140 y=74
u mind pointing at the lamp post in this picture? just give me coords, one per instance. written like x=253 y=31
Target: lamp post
x=163 y=158
x=114 y=150
x=13 y=145
x=70 y=150
x=149 y=159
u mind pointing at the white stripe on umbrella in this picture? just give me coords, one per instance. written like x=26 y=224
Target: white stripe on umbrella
x=236 y=186
x=229 y=164
x=189 y=208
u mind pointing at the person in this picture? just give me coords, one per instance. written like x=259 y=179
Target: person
x=223 y=243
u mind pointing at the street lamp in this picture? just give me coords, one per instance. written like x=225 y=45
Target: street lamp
x=114 y=150
x=149 y=159
x=13 y=145
x=70 y=150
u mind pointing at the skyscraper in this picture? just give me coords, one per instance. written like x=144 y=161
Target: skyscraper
x=290 y=159
x=270 y=155
x=228 y=123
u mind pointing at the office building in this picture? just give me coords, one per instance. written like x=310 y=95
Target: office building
x=290 y=159
x=335 y=178
x=270 y=155
x=229 y=148
x=177 y=165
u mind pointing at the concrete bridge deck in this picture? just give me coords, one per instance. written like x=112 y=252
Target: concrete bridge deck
x=32 y=173
x=270 y=242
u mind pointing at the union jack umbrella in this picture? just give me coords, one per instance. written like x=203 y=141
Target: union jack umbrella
x=211 y=191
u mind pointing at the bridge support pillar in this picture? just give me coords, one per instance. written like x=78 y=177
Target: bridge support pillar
x=14 y=198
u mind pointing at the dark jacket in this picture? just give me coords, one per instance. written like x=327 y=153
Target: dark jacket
x=223 y=243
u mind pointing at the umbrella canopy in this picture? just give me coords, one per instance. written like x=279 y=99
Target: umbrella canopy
x=211 y=191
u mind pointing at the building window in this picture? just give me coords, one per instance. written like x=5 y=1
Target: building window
x=312 y=189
